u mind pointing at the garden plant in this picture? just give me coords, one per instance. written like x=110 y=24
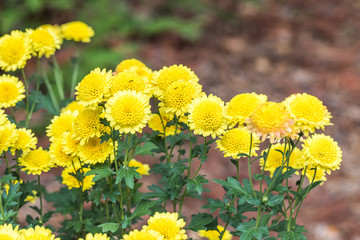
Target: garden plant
x=102 y=122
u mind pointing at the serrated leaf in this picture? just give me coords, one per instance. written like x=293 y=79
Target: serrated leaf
x=233 y=185
x=213 y=205
x=145 y=149
x=199 y=221
x=112 y=227
x=250 y=231
x=143 y=209
x=129 y=174
x=274 y=200
x=100 y=172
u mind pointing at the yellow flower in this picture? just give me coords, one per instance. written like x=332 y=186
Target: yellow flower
x=93 y=151
x=69 y=145
x=36 y=161
x=167 y=75
x=11 y=91
x=143 y=169
x=57 y=153
x=44 y=41
x=15 y=50
x=168 y=225
x=128 y=111
x=73 y=106
x=25 y=140
x=128 y=64
x=7 y=136
x=308 y=112
x=322 y=151
x=31 y=198
x=241 y=107
x=77 y=31
x=236 y=141
x=61 y=124
x=8 y=232
x=71 y=182
x=86 y=124
x=310 y=174
x=129 y=80
x=3 y=118
x=38 y=233
x=93 y=87
x=96 y=236
x=270 y=119
x=207 y=116
x=178 y=96
x=55 y=30
x=143 y=235
x=215 y=235
x=156 y=124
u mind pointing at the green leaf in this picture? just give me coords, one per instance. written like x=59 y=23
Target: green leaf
x=100 y=172
x=196 y=184
x=250 y=231
x=143 y=209
x=275 y=200
x=129 y=174
x=199 y=221
x=213 y=205
x=112 y=227
x=157 y=192
x=233 y=185
x=146 y=149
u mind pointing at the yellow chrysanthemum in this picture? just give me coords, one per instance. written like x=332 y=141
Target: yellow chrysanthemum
x=156 y=124
x=8 y=232
x=6 y=186
x=43 y=41
x=70 y=146
x=11 y=91
x=270 y=119
x=36 y=161
x=58 y=155
x=71 y=182
x=15 y=50
x=128 y=111
x=128 y=64
x=275 y=159
x=86 y=124
x=308 y=112
x=61 y=124
x=8 y=136
x=93 y=151
x=236 y=141
x=55 y=30
x=129 y=80
x=38 y=233
x=96 y=236
x=178 y=96
x=241 y=107
x=142 y=168
x=93 y=87
x=322 y=151
x=143 y=235
x=77 y=31
x=168 y=225
x=215 y=235
x=25 y=140
x=207 y=116
x=318 y=176
x=31 y=198
x=73 y=106
x=3 y=118
x=167 y=75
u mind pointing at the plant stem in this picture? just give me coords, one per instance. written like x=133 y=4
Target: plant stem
x=75 y=72
x=225 y=227
x=58 y=78
x=7 y=162
x=37 y=88
x=50 y=90
x=27 y=96
x=41 y=202
x=249 y=166
x=1 y=206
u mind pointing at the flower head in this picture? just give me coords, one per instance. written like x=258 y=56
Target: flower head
x=93 y=151
x=11 y=91
x=142 y=169
x=129 y=80
x=70 y=146
x=96 y=236
x=236 y=141
x=73 y=106
x=143 y=235
x=61 y=124
x=25 y=140
x=308 y=112
x=129 y=64
x=36 y=161
x=77 y=31
x=215 y=235
x=8 y=232
x=44 y=41
x=207 y=116
x=7 y=136
x=168 y=225
x=70 y=180
x=241 y=107
x=86 y=124
x=157 y=123
x=270 y=119
x=58 y=154
x=15 y=50
x=38 y=233
x=3 y=118
x=128 y=111
x=315 y=174
x=31 y=198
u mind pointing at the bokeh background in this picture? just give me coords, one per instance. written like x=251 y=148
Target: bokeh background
x=273 y=47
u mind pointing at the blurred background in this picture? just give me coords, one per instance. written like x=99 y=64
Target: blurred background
x=273 y=47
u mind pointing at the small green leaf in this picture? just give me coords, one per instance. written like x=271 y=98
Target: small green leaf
x=100 y=172
x=112 y=227
x=199 y=221
x=129 y=174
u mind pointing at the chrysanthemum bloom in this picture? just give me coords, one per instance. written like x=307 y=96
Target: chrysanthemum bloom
x=36 y=161
x=96 y=236
x=58 y=155
x=215 y=235
x=73 y=106
x=178 y=96
x=70 y=146
x=322 y=151
x=143 y=235
x=77 y=31
x=61 y=124
x=128 y=111
x=71 y=182
x=15 y=50
x=142 y=169
x=168 y=225
x=86 y=124
x=38 y=233
x=310 y=174
x=3 y=118
x=241 y=107
x=93 y=151
x=275 y=159
x=11 y=91
x=167 y=75
x=43 y=42
x=93 y=87
x=129 y=80
x=25 y=140
x=270 y=119
x=8 y=232
x=308 y=112
x=54 y=29
x=8 y=136
x=32 y=197
x=236 y=141
x=207 y=116
x=156 y=124
x=129 y=64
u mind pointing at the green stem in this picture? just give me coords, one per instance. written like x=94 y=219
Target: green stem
x=237 y=169
x=27 y=96
x=249 y=166
x=225 y=227
x=19 y=179
x=58 y=78
x=7 y=162
x=172 y=148
x=50 y=90
x=75 y=73
x=41 y=202
x=13 y=114
x=164 y=128
x=37 y=88
x=1 y=206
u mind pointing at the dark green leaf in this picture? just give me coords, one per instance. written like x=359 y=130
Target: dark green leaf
x=199 y=221
x=112 y=227
x=100 y=172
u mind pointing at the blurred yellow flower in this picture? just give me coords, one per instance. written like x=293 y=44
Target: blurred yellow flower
x=38 y=233
x=215 y=235
x=11 y=91
x=157 y=124
x=77 y=31
x=25 y=140
x=73 y=106
x=71 y=182
x=312 y=176
x=44 y=41
x=36 y=161
x=129 y=64
x=142 y=169
x=143 y=235
x=8 y=232
x=8 y=136
x=96 y=236
x=31 y=198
